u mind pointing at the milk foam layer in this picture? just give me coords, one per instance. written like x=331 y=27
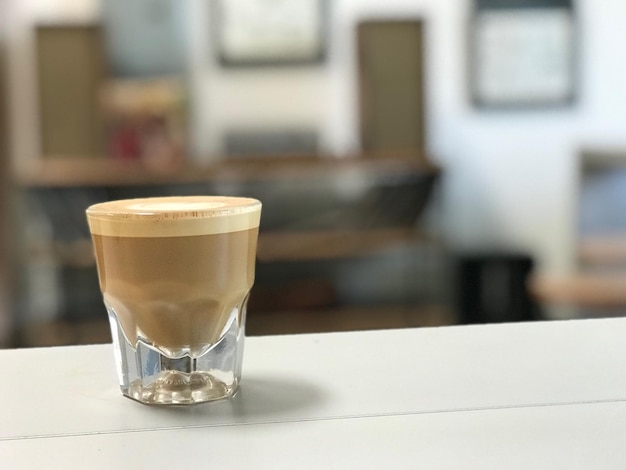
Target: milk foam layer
x=174 y=216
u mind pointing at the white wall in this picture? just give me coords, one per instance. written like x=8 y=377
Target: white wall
x=509 y=176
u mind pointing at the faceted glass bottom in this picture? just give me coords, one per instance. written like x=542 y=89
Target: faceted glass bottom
x=151 y=376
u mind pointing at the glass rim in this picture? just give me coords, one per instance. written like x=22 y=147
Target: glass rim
x=173 y=216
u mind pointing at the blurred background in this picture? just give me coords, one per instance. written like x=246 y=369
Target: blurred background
x=421 y=162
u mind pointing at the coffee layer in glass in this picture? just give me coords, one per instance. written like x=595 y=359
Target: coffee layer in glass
x=175 y=274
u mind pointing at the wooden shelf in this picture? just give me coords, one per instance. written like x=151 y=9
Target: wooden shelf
x=99 y=171
x=329 y=245
x=77 y=254
x=347 y=319
x=603 y=250
x=273 y=246
x=65 y=333
x=602 y=158
x=585 y=290
x=96 y=331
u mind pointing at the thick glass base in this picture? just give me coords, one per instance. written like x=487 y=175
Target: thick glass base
x=180 y=388
x=153 y=376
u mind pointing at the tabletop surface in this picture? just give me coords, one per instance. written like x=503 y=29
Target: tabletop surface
x=526 y=395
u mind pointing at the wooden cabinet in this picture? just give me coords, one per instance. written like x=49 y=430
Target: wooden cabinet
x=324 y=220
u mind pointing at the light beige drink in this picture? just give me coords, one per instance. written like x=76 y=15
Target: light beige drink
x=181 y=290
x=175 y=273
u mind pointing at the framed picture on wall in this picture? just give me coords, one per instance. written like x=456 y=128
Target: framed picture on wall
x=522 y=53
x=270 y=32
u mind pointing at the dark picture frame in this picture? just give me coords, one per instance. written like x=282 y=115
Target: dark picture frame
x=253 y=33
x=523 y=53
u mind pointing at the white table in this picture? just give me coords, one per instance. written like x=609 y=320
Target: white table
x=518 y=396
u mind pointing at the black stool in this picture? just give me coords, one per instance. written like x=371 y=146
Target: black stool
x=492 y=288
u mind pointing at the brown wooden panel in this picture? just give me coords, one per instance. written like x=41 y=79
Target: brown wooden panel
x=391 y=82
x=346 y=319
x=77 y=171
x=5 y=285
x=71 y=70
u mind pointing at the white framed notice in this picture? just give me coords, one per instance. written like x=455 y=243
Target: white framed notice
x=266 y=32
x=523 y=56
